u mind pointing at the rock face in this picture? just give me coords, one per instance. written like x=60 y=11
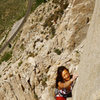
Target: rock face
x=88 y=84
x=53 y=35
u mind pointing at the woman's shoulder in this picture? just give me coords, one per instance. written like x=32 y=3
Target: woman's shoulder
x=61 y=82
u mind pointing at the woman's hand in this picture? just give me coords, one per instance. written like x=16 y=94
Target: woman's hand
x=74 y=77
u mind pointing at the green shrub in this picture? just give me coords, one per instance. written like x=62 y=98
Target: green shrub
x=44 y=80
x=19 y=64
x=52 y=32
x=57 y=51
x=37 y=3
x=6 y=56
x=35 y=96
x=22 y=47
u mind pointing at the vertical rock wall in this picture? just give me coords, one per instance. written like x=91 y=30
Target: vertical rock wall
x=53 y=35
x=88 y=84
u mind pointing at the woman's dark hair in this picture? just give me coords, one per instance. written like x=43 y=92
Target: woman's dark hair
x=59 y=74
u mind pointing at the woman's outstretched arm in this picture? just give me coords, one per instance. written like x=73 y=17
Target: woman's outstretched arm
x=67 y=83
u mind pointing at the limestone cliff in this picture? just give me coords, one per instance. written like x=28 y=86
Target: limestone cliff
x=53 y=35
x=88 y=83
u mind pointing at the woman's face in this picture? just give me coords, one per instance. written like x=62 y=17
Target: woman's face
x=65 y=75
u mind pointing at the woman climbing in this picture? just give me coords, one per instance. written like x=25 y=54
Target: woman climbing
x=64 y=83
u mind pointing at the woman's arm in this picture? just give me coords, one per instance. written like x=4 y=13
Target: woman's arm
x=67 y=83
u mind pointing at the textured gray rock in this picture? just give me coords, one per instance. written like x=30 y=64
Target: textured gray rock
x=88 y=84
x=53 y=35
